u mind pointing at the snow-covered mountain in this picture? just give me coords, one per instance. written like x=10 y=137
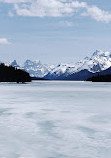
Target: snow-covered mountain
x=99 y=61
x=14 y=64
x=36 y=68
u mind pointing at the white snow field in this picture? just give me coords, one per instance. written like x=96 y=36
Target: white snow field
x=55 y=119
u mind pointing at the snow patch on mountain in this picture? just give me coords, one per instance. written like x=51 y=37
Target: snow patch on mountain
x=99 y=61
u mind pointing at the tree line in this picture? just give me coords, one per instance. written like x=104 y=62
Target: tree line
x=100 y=78
x=12 y=74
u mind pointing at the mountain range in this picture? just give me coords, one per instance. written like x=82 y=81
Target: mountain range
x=89 y=66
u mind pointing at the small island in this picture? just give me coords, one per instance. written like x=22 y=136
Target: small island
x=12 y=74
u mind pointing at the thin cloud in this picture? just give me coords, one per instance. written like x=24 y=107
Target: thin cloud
x=98 y=14
x=10 y=14
x=4 y=41
x=58 y=8
x=66 y=23
x=49 y=8
x=15 y=1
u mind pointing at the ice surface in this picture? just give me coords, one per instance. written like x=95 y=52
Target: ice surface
x=52 y=119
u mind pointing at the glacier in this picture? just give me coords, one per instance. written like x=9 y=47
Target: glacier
x=55 y=119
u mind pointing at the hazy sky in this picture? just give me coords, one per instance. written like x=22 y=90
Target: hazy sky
x=53 y=31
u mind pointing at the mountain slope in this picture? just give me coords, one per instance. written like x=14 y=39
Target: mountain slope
x=98 y=62
x=35 y=68
x=103 y=76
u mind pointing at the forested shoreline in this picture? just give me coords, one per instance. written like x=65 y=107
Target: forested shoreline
x=12 y=74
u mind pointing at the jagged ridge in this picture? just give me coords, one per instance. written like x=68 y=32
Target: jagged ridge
x=99 y=61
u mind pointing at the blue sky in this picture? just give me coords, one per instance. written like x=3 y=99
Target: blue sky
x=53 y=31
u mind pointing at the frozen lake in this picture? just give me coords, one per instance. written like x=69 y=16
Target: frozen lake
x=48 y=119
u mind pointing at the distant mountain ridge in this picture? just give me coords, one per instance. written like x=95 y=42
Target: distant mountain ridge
x=34 y=68
x=99 y=61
